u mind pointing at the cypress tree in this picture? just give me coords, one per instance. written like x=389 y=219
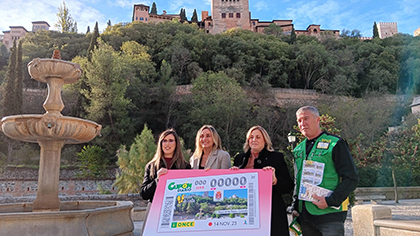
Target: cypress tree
x=18 y=81
x=9 y=95
x=194 y=17
x=88 y=30
x=375 y=30
x=182 y=15
x=9 y=98
x=93 y=41
x=154 y=9
x=293 y=36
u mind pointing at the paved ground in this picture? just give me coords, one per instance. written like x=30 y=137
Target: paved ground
x=404 y=210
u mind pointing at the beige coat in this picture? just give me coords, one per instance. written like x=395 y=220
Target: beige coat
x=218 y=159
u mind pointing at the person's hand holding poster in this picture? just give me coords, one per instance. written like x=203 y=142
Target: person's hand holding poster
x=226 y=201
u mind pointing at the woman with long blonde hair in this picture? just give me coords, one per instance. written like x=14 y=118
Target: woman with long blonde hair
x=208 y=152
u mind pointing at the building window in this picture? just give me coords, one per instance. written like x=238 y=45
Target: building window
x=238 y=15
x=223 y=15
x=230 y=15
x=146 y=19
x=137 y=18
x=141 y=18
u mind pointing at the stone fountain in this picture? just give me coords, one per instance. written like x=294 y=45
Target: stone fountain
x=47 y=215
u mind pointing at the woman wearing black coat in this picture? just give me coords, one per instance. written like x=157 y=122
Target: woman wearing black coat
x=259 y=154
x=168 y=156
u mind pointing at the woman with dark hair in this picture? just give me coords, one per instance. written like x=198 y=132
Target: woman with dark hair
x=208 y=152
x=168 y=156
x=259 y=154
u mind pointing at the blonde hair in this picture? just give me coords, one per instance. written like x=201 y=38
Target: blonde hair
x=177 y=158
x=267 y=139
x=217 y=142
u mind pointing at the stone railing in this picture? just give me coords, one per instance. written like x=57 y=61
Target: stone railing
x=376 y=220
x=403 y=192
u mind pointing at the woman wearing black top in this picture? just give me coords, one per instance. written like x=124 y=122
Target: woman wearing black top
x=168 y=156
x=259 y=154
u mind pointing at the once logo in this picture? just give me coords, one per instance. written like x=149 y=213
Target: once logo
x=186 y=224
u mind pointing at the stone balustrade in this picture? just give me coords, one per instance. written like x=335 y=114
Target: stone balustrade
x=376 y=220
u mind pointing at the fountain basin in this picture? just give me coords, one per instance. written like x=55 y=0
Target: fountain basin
x=44 y=69
x=32 y=128
x=74 y=218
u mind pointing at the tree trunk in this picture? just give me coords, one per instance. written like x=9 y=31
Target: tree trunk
x=395 y=185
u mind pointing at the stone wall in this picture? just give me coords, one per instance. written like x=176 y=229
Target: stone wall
x=22 y=182
x=403 y=192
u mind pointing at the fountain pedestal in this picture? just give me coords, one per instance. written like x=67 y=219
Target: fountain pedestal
x=47 y=215
x=49 y=171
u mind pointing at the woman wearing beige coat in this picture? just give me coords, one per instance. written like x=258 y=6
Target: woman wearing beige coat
x=208 y=152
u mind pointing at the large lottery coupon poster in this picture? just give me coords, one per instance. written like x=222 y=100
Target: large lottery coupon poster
x=188 y=202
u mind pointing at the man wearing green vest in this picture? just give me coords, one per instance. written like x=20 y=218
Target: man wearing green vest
x=325 y=175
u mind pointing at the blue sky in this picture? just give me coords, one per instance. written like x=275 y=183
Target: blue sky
x=330 y=14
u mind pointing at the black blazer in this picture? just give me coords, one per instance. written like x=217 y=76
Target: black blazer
x=279 y=224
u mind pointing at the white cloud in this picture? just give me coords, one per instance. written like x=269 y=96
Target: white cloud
x=25 y=13
x=261 y=5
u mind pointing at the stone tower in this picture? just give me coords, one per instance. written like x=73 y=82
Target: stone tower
x=387 y=29
x=227 y=14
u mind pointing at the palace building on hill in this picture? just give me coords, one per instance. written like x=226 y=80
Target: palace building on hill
x=18 y=32
x=225 y=15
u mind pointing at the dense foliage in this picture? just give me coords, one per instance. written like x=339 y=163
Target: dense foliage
x=131 y=73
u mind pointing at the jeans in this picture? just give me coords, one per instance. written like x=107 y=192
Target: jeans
x=332 y=228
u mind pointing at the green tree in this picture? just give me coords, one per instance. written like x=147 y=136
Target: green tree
x=88 y=30
x=182 y=15
x=194 y=17
x=4 y=55
x=131 y=163
x=274 y=29
x=93 y=40
x=312 y=62
x=107 y=79
x=293 y=36
x=154 y=9
x=92 y=162
x=375 y=31
x=65 y=22
x=18 y=88
x=9 y=98
x=219 y=100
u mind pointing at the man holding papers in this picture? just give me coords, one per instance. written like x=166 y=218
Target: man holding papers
x=325 y=175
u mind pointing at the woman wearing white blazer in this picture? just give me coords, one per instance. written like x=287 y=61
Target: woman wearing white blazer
x=208 y=152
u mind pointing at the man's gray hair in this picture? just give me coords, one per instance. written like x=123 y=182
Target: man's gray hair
x=312 y=109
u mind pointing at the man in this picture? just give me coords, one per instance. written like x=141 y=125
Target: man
x=322 y=160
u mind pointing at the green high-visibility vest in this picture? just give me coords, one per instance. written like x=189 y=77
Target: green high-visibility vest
x=321 y=152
